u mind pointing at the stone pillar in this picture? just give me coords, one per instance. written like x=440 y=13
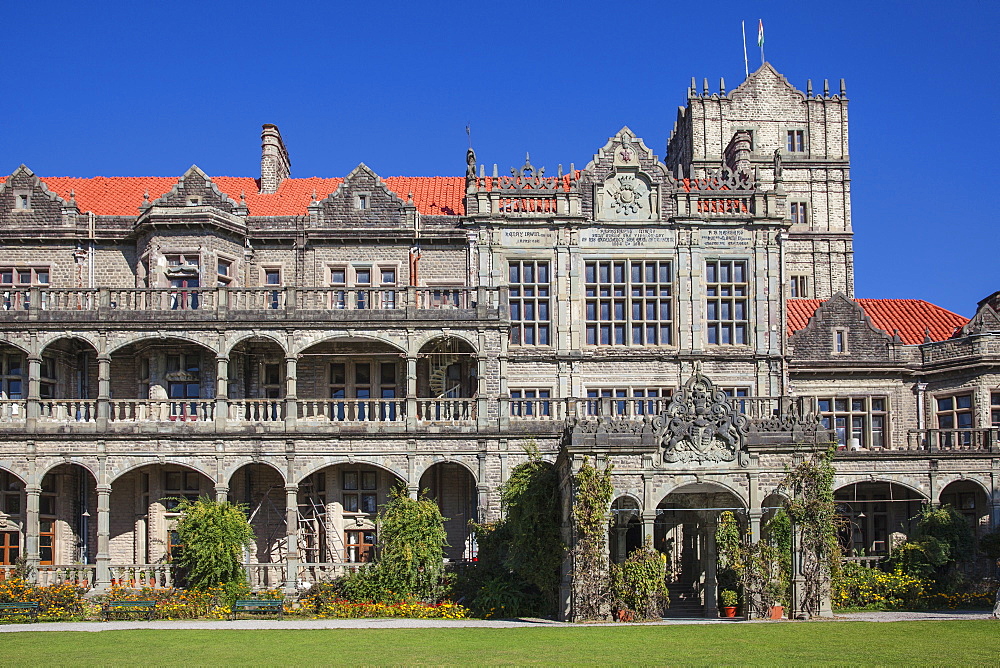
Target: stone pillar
x=291 y=392
x=103 y=390
x=221 y=492
x=482 y=415
x=31 y=526
x=221 y=391
x=33 y=406
x=411 y=392
x=709 y=560
x=798 y=579
x=103 y=575
x=649 y=527
x=291 y=537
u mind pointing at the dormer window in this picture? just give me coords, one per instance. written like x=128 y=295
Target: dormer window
x=361 y=201
x=22 y=201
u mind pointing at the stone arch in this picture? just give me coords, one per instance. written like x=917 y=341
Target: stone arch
x=23 y=479
x=840 y=483
x=971 y=498
x=876 y=515
x=447 y=367
x=342 y=337
x=448 y=459
x=150 y=337
x=164 y=462
x=228 y=473
x=20 y=347
x=54 y=337
x=453 y=486
x=625 y=527
x=13 y=505
x=260 y=486
x=944 y=483
x=724 y=486
x=245 y=336
x=72 y=462
x=354 y=460
x=68 y=523
x=421 y=342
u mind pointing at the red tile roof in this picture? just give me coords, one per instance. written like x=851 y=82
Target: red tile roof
x=910 y=316
x=122 y=195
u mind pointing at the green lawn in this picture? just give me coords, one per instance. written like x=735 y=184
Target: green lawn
x=909 y=643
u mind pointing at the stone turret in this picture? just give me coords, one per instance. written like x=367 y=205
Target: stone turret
x=275 y=166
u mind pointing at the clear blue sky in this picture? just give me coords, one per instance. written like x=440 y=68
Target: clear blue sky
x=147 y=89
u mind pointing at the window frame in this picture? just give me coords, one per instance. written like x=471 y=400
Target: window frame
x=796 y=141
x=869 y=413
x=534 y=296
x=958 y=434
x=739 y=295
x=798 y=212
x=627 y=400
x=610 y=306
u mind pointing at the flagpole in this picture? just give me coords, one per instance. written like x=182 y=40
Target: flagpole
x=746 y=63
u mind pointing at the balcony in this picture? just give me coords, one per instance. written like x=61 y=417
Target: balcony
x=40 y=304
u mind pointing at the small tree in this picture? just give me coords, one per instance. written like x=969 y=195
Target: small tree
x=639 y=584
x=212 y=536
x=592 y=501
x=411 y=542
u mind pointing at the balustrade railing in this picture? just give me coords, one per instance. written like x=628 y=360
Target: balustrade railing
x=158 y=410
x=257 y=410
x=142 y=575
x=12 y=409
x=446 y=410
x=216 y=302
x=265 y=576
x=80 y=575
x=323 y=572
x=352 y=410
x=954 y=440
x=68 y=410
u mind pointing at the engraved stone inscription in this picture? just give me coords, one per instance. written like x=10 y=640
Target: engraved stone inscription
x=727 y=238
x=544 y=238
x=627 y=238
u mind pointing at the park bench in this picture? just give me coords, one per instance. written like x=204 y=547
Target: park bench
x=19 y=610
x=257 y=607
x=147 y=608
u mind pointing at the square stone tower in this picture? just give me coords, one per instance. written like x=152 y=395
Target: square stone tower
x=799 y=142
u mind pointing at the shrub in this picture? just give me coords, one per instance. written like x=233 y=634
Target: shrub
x=639 y=583
x=213 y=535
x=59 y=601
x=860 y=587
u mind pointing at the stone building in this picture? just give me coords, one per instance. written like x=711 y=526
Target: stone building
x=302 y=345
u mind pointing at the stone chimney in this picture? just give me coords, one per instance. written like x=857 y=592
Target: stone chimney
x=275 y=166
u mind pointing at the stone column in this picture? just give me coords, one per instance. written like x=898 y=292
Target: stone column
x=31 y=526
x=709 y=557
x=33 y=405
x=103 y=575
x=291 y=537
x=291 y=392
x=221 y=492
x=482 y=416
x=221 y=391
x=411 y=392
x=103 y=390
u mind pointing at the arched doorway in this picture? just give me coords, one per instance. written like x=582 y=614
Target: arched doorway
x=452 y=486
x=158 y=380
x=877 y=515
x=143 y=507
x=68 y=381
x=256 y=381
x=337 y=510
x=685 y=526
x=12 y=507
x=261 y=489
x=67 y=517
x=625 y=533
x=969 y=498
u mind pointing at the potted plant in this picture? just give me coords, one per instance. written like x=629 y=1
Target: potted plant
x=729 y=600
x=775 y=592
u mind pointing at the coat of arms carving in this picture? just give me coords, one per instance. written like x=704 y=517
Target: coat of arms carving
x=701 y=424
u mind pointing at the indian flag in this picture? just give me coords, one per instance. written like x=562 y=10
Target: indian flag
x=760 y=32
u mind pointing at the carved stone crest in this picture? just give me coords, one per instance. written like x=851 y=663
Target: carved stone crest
x=701 y=425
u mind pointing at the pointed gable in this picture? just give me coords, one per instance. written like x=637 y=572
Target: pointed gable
x=195 y=188
x=25 y=201
x=766 y=83
x=840 y=330
x=364 y=201
x=987 y=318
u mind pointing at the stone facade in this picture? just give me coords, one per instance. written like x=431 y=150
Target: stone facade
x=303 y=345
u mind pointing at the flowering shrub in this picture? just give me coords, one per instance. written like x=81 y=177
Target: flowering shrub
x=213 y=602
x=341 y=609
x=861 y=587
x=59 y=601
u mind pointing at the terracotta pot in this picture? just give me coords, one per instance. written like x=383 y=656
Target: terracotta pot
x=625 y=616
x=777 y=612
x=729 y=611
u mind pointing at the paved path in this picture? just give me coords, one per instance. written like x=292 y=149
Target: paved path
x=259 y=624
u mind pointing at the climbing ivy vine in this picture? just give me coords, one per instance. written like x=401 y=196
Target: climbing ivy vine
x=591 y=577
